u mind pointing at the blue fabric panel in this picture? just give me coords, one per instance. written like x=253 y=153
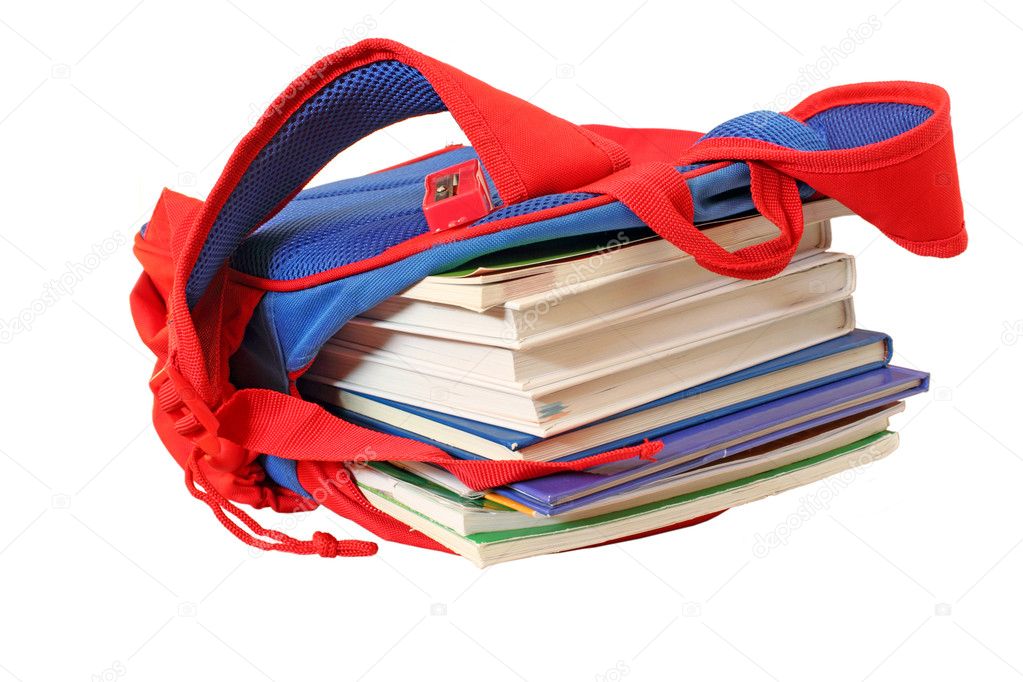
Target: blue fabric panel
x=353 y=106
x=284 y=472
x=855 y=125
x=351 y=220
x=258 y=362
x=534 y=205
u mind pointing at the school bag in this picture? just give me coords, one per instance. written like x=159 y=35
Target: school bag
x=240 y=291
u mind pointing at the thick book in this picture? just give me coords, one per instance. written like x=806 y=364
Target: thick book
x=489 y=548
x=728 y=436
x=575 y=349
x=572 y=402
x=857 y=352
x=543 y=267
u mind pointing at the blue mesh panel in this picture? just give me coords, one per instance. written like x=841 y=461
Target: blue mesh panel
x=305 y=240
x=343 y=222
x=855 y=125
x=353 y=106
x=534 y=205
x=773 y=127
x=350 y=220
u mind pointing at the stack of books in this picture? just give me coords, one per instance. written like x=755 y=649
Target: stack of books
x=572 y=347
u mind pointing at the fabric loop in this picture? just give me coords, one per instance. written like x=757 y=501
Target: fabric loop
x=659 y=196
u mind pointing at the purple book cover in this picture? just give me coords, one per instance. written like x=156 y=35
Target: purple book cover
x=544 y=494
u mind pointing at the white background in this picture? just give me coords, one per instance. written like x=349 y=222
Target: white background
x=108 y=569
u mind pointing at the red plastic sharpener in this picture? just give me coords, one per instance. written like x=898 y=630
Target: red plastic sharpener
x=456 y=196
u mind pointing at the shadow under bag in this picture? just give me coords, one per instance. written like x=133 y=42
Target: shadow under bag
x=240 y=291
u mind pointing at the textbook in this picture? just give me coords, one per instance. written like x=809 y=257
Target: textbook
x=858 y=351
x=575 y=349
x=488 y=548
x=684 y=479
x=541 y=267
x=578 y=400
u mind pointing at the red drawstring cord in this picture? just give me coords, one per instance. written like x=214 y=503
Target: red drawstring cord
x=324 y=544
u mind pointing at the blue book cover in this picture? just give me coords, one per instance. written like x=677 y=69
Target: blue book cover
x=518 y=441
x=760 y=425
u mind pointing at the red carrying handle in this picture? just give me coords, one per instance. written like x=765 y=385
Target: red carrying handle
x=659 y=196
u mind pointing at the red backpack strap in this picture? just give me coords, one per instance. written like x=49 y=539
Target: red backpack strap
x=659 y=196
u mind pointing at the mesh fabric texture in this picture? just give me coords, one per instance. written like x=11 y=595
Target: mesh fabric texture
x=855 y=125
x=353 y=106
x=771 y=126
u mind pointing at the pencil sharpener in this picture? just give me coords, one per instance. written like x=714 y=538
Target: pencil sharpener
x=456 y=196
